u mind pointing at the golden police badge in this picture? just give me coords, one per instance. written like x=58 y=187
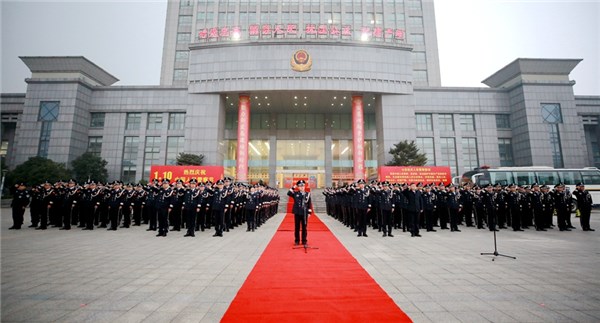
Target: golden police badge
x=301 y=61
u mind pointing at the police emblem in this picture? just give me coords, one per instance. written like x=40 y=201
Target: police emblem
x=301 y=61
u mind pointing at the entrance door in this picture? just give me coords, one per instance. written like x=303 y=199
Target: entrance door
x=289 y=177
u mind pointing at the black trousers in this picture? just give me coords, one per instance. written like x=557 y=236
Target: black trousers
x=89 y=212
x=251 y=218
x=515 y=216
x=152 y=216
x=298 y=222
x=113 y=215
x=163 y=219
x=584 y=218
x=491 y=219
x=218 y=221
x=453 y=218
x=387 y=221
x=35 y=210
x=429 y=219
x=442 y=213
x=190 y=220
x=17 y=215
x=361 y=220
x=414 y=221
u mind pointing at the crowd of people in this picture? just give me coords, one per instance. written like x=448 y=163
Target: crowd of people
x=411 y=207
x=164 y=206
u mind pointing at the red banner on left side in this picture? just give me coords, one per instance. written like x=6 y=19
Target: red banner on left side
x=185 y=173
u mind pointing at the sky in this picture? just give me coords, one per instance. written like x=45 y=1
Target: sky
x=476 y=38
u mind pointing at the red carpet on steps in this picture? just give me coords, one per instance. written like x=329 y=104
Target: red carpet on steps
x=322 y=285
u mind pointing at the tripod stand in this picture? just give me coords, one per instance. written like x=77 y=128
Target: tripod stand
x=305 y=246
x=495 y=253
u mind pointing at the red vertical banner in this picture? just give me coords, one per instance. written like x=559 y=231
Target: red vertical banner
x=358 y=136
x=242 y=136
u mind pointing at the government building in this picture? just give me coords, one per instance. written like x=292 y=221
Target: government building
x=273 y=90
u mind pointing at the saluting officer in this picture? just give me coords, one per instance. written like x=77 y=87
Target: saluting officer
x=48 y=197
x=454 y=206
x=414 y=207
x=219 y=205
x=301 y=209
x=387 y=206
x=19 y=203
x=513 y=201
x=429 y=201
x=191 y=207
x=584 y=204
x=164 y=207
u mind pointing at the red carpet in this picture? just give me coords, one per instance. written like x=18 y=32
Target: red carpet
x=323 y=285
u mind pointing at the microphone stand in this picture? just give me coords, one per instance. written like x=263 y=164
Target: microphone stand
x=305 y=220
x=495 y=253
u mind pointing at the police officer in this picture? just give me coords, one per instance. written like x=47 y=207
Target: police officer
x=302 y=208
x=537 y=205
x=164 y=207
x=191 y=207
x=48 y=197
x=429 y=208
x=454 y=206
x=362 y=206
x=414 y=207
x=21 y=199
x=488 y=203
x=386 y=206
x=584 y=204
x=219 y=205
x=252 y=207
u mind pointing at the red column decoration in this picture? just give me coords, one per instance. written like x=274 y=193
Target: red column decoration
x=358 y=136
x=242 y=138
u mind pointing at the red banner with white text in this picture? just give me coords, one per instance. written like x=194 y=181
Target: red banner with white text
x=185 y=173
x=415 y=174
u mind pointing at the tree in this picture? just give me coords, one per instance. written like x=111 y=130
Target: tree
x=89 y=166
x=406 y=153
x=189 y=159
x=36 y=170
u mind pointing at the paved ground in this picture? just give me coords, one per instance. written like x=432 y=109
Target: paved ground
x=131 y=276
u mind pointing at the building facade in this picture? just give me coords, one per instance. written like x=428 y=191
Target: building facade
x=316 y=89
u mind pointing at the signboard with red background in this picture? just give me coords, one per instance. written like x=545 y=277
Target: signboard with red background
x=185 y=173
x=415 y=174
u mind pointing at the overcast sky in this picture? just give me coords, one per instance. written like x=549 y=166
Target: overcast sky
x=475 y=37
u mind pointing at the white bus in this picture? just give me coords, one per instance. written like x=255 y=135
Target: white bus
x=590 y=176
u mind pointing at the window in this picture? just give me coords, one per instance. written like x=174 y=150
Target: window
x=524 y=178
x=416 y=39
x=95 y=145
x=97 y=120
x=503 y=121
x=501 y=177
x=446 y=122
x=185 y=3
x=426 y=146
x=180 y=74
x=415 y=22
x=570 y=178
x=420 y=77
x=448 y=148
x=424 y=122
x=547 y=178
x=591 y=177
x=48 y=114
x=174 y=148
x=183 y=38
x=469 y=152
x=130 y=154
x=185 y=20
x=49 y=110
x=154 y=121
x=151 y=154
x=419 y=58
x=552 y=116
x=182 y=55
x=176 y=121
x=505 y=151
x=133 y=121
x=467 y=122
x=45 y=139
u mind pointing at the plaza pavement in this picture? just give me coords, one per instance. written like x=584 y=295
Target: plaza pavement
x=132 y=276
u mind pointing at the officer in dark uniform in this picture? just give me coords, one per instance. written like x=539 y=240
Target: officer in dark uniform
x=454 y=206
x=386 y=207
x=138 y=204
x=537 y=206
x=584 y=205
x=48 y=197
x=429 y=208
x=362 y=205
x=488 y=203
x=466 y=200
x=548 y=207
x=441 y=207
x=71 y=197
x=21 y=199
x=478 y=206
x=414 y=207
x=115 y=205
x=191 y=207
x=90 y=202
x=164 y=207
x=177 y=202
x=219 y=205
x=513 y=202
x=151 y=216
x=204 y=202
x=252 y=207
x=302 y=208
x=36 y=208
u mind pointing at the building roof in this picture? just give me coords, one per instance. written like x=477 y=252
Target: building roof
x=78 y=64
x=531 y=66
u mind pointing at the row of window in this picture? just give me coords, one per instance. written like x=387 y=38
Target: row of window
x=445 y=122
x=470 y=155
x=131 y=147
x=154 y=121
x=300 y=121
